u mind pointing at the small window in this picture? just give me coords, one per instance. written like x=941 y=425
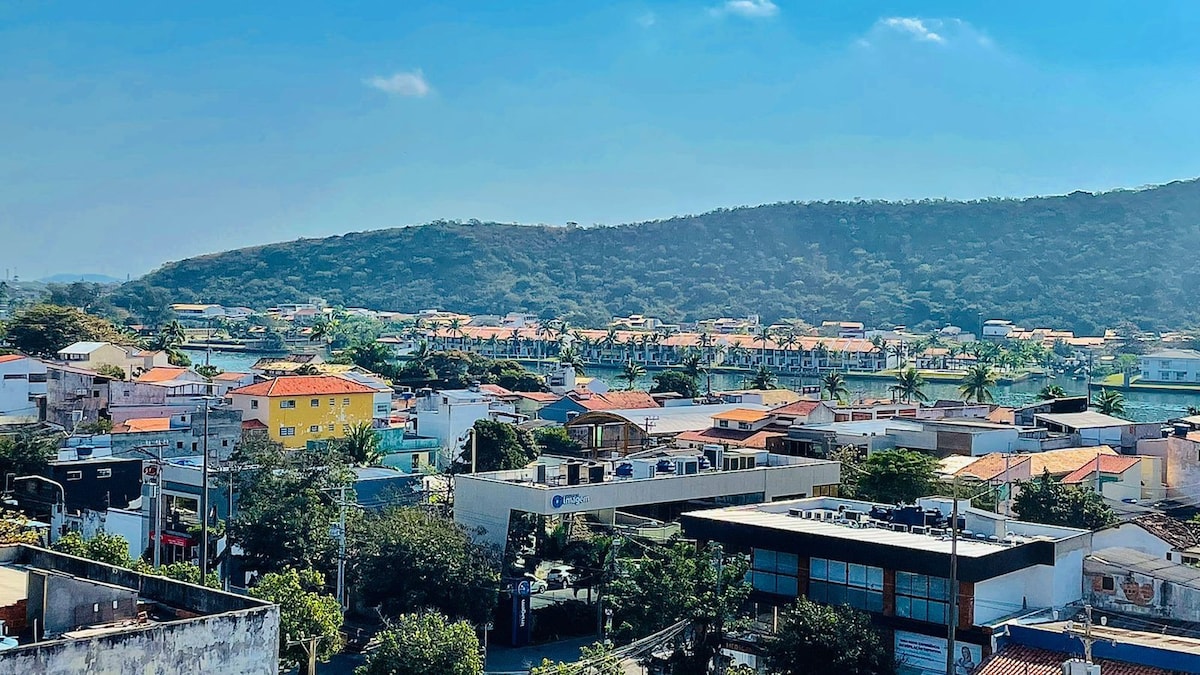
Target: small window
x=290 y=403
x=416 y=460
x=331 y=427
x=178 y=445
x=314 y=429
x=195 y=446
x=103 y=473
x=724 y=424
x=287 y=431
x=125 y=393
x=1108 y=583
x=95 y=393
x=254 y=404
x=314 y=403
x=345 y=401
x=74 y=475
x=332 y=402
x=744 y=426
x=225 y=443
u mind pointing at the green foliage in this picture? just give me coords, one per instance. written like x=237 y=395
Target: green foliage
x=676 y=582
x=1043 y=500
x=763 y=379
x=977 y=383
x=556 y=441
x=596 y=659
x=1110 y=402
x=676 y=381
x=909 y=384
x=209 y=372
x=361 y=445
x=179 y=571
x=112 y=549
x=13 y=529
x=852 y=468
x=631 y=372
x=419 y=644
x=27 y=453
x=304 y=612
x=501 y=446
x=1051 y=391
x=834 y=384
x=42 y=330
x=100 y=426
x=815 y=639
x=109 y=370
x=410 y=560
x=896 y=476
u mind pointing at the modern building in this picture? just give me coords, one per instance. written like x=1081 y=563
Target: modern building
x=1170 y=365
x=22 y=389
x=1094 y=428
x=64 y=614
x=301 y=408
x=448 y=415
x=894 y=562
x=604 y=432
x=485 y=502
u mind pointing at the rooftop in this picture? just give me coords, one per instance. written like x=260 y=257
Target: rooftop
x=1174 y=354
x=671 y=420
x=877 y=427
x=741 y=415
x=1082 y=420
x=1129 y=560
x=801 y=407
x=1103 y=464
x=81 y=348
x=614 y=400
x=5 y=358
x=1177 y=533
x=142 y=424
x=161 y=374
x=1023 y=660
x=1065 y=460
x=303 y=385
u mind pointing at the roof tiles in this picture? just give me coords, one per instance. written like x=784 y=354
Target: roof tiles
x=303 y=385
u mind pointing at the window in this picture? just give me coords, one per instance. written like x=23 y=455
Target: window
x=290 y=403
x=16 y=376
x=103 y=473
x=834 y=582
x=1108 y=583
x=416 y=460
x=314 y=429
x=95 y=393
x=314 y=403
x=331 y=427
x=345 y=401
x=1163 y=375
x=744 y=426
x=332 y=402
x=774 y=572
x=195 y=446
x=287 y=431
x=178 y=445
x=74 y=475
x=125 y=393
x=224 y=442
x=724 y=424
x=922 y=597
x=37 y=377
x=1164 y=363
x=254 y=404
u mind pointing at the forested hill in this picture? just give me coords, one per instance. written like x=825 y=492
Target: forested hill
x=1082 y=260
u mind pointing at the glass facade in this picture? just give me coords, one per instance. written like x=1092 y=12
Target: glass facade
x=834 y=582
x=921 y=597
x=774 y=572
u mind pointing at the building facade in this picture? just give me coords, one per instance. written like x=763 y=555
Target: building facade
x=297 y=409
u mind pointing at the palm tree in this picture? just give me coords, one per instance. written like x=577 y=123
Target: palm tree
x=325 y=329
x=454 y=326
x=632 y=372
x=976 y=384
x=1110 y=402
x=693 y=365
x=569 y=357
x=763 y=336
x=834 y=384
x=900 y=351
x=908 y=386
x=361 y=445
x=1051 y=391
x=172 y=334
x=763 y=379
x=492 y=343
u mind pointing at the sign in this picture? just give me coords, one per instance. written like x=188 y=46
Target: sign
x=150 y=470
x=173 y=539
x=522 y=629
x=918 y=654
x=573 y=499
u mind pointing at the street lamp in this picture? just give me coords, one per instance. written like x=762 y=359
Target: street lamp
x=59 y=508
x=204 y=488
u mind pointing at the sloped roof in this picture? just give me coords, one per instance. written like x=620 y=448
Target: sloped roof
x=230 y=377
x=5 y=358
x=1105 y=463
x=801 y=407
x=1174 y=354
x=1177 y=533
x=1022 y=660
x=741 y=415
x=161 y=374
x=769 y=396
x=1001 y=414
x=742 y=439
x=539 y=396
x=1066 y=460
x=143 y=424
x=1082 y=420
x=614 y=400
x=303 y=385
x=496 y=389
x=253 y=424
x=81 y=348
x=992 y=466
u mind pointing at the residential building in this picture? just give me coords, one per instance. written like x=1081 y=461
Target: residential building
x=893 y=562
x=169 y=374
x=1136 y=583
x=635 y=322
x=91 y=355
x=768 y=397
x=959 y=436
x=381 y=404
x=70 y=615
x=223 y=382
x=408 y=452
x=1023 y=416
x=619 y=432
x=997 y=329
x=186 y=312
x=1056 y=647
x=803 y=412
x=484 y=502
x=1155 y=534
x=448 y=415
x=302 y=408
x=1094 y=428
x=1170 y=365
x=22 y=389
x=75 y=396
x=580 y=401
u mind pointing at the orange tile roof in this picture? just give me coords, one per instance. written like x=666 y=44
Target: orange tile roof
x=798 y=408
x=230 y=376
x=615 y=400
x=303 y=385
x=741 y=415
x=1107 y=464
x=742 y=439
x=496 y=389
x=253 y=424
x=1022 y=660
x=1001 y=414
x=161 y=374
x=539 y=396
x=11 y=357
x=143 y=424
x=1066 y=460
x=992 y=466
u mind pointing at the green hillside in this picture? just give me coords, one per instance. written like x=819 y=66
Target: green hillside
x=1082 y=260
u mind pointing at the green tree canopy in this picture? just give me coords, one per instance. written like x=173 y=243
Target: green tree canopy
x=112 y=549
x=421 y=644
x=675 y=381
x=556 y=441
x=1052 y=391
x=896 y=476
x=834 y=384
x=361 y=445
x=596 y=659
x=501 y=446
x=305 y=611
x=27 y=453
x=977 y=384
x=763 y=379
x=1110 y=402
x=1043 y=500
x=815 y=639
x=42 y=330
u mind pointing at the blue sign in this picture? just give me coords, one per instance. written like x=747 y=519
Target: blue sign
x=522 y=629
x=557 y=501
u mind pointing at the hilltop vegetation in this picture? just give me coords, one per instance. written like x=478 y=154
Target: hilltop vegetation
x=1082 y=260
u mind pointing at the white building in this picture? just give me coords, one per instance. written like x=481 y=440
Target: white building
x=1171 y=365
x=382 y=401
x=22 y=380
x=447 y=415
x=997 y=329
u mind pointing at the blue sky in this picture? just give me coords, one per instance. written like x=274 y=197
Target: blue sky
x=131 y=134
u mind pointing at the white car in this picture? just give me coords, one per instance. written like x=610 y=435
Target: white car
x=536 y=585
x=560 y=576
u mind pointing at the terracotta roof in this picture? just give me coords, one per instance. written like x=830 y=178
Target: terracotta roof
x=992 y=466
x=1066 y=460
x=1022 y=660
x=742 y=439
x=539 y=396
x=803 y=407
x=615 y=400
x=1001 y=414
x=741 y=415
x=1178 y=533
x=496 y=389
x=231 y=377
x=161 y=374
x=769 y=396
x=1106 y=463
x=143 y=424
x=12 y=357
x=303 y=385
x=252 y=424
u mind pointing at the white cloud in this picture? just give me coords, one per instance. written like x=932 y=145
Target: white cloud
x=750 y=9
x=412 y=83
x=646 y=20
x=913 y=26
x=919 y=29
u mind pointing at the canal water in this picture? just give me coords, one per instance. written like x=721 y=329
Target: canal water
x=1139 y=406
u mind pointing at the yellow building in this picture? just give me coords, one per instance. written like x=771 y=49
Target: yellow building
x=302 y=408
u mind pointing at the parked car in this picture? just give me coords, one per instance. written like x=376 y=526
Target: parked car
x=560 y=576
x=536 y=585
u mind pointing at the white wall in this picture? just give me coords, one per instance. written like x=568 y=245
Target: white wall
x=1130 y=535
x=15 y=388
x=999 y=596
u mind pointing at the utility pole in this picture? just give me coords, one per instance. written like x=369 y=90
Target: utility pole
x=204 y=499
x=309 y=645
x=1085 y=635
x=341 y=569
x=719 y=558
x=952 y=615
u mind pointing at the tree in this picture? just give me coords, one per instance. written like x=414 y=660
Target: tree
x=976 y=384
x=815 y=639
x=361 y=445
x=307 y=369
x=500 y=446
x=27 y=453
x=556 y=441
x=112 y=549
x=1110 y=402
x=571 y=357
x=851 y=459
x=209 y=372
x=42 y=330
x=908 y=386
x=693 y=365
x=13 y=529
x=1043 y=500
x=304 y=613
x=834 y=384
x=675 y=381
x=418 y=644
x=763 y=379
x=180 y=571
x=597 y=659
x=679 y=582
x=443 y=568
x=896 y=476
x=631 y=372
x=1052 y=391
x=114 y=372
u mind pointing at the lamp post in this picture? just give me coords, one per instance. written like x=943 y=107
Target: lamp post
x=59 y=507
x=204 y=490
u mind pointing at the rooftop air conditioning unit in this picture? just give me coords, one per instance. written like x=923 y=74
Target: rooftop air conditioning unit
x=919 y=529
x=899 y=527
x=1080 y=667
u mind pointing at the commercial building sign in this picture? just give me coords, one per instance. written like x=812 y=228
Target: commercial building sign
x=522 y=629
x=572 y=499
x=918 y=654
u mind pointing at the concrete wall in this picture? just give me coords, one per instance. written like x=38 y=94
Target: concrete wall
x=15 y=388
x=1132 y=592
x=1131 y=535
x=1181 y=463
x=69 y=603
